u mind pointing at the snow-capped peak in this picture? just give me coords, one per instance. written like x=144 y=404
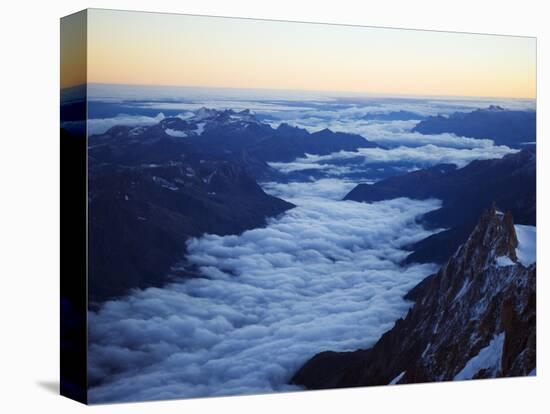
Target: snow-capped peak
x=204 y=113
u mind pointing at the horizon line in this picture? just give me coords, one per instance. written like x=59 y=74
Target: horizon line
x=333 y=92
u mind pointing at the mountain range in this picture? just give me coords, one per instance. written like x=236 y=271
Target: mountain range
x=513 y=128
x=151 y=188
x=510 y=182
x=227 y=132
x=141 y=217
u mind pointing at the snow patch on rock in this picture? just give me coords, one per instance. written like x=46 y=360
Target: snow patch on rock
x=175 y=133
x=488 y=358
x=503 y=261
x=527 y=241
x=397 y=379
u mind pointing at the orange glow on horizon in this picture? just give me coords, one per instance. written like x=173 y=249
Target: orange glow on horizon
x=168 y=49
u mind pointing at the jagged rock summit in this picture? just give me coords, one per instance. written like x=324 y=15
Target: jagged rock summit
x=475 y=318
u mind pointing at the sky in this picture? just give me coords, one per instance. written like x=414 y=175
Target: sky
x=141 y=48
x=170 y=49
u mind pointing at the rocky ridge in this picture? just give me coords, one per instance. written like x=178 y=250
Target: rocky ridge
x=475 y=318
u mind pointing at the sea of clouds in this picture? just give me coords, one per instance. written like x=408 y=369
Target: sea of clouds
x=311 y=110
x=416 y=157
x=326 y=275
x=102 y=125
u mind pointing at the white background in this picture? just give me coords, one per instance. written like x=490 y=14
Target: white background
x=29 y=206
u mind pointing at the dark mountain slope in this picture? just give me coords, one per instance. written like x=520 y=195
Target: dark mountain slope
x=503 y=126
x=141 y=217
x=474 y=319
x=152 y=188
x=287 y=143
x=510 y=182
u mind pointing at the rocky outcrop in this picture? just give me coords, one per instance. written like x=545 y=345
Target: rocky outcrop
x=475 y=318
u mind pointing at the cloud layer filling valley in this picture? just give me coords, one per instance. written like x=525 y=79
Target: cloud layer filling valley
x=323 y=276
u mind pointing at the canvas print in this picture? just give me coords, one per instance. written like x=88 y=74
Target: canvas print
x=279 y=206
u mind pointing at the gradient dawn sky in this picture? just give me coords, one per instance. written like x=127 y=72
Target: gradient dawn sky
x=170 y=49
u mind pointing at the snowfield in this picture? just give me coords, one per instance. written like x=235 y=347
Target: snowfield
x=527 y=240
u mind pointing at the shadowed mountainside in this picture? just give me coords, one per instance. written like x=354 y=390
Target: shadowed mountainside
x=149 y=192
x=510 y=182
x=503 y=126
x=151 y=188
x=141 y=218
